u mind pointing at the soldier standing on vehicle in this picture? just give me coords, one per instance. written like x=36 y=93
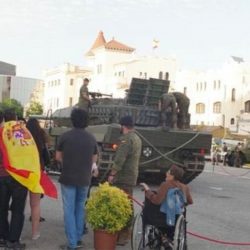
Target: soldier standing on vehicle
x=124 y=171
x=84 y=100
x=167 y=107
x=182 y=106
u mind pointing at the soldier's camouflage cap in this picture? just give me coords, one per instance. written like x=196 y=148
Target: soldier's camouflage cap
x=127 y=121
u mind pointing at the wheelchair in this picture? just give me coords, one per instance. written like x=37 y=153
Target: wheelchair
x=149 y=230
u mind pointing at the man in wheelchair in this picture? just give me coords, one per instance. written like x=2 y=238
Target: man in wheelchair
x=163 y=208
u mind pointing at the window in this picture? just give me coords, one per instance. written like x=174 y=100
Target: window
x=166 y=76
x=145 y=75
x=58 y=81
x=243 y=79
x=200 y=108
x=217 y=107
x=197 y=86
x=8 y=83
x=233 y=95
x=99 y=69
x=140 y=73
x=57 y=102
x=200 y=86
x=70 y=101
x=185 y=90
x=247 y=106
x=219 y=84
x=71 y=82
x=160 y=75
x=205 y=85
x=232 y=121
x=214 y=84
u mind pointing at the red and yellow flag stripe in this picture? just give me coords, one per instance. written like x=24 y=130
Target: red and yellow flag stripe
x=21 y=159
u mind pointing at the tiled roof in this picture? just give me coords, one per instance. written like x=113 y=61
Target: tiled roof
x=115 y=45
x=99 y=41
x=111 y=45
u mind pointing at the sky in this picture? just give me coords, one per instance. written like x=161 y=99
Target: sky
x=36 y=35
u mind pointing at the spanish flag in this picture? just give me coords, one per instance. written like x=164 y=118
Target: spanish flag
x=21 y=159
x=155 y=44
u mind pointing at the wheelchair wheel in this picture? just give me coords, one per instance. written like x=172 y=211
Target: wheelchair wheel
x=144 y=236
x=137 y=233
x=180 y=234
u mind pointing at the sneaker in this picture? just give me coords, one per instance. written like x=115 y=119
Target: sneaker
x=15 y=245
x=36 y=236
x=2 y=242
x=66 y=247
x=85 y=230
x=79 y=244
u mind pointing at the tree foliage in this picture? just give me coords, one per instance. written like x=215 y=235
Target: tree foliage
x=35 y=108
x=12 y=104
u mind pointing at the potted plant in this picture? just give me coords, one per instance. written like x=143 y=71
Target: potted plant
x=108 y=211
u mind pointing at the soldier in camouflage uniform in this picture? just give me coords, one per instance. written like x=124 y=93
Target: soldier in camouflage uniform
x=124 y=171
x=167 y=107
x=84 y=101
x=182 y=106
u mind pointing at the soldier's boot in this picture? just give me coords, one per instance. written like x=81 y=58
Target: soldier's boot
x=124 y=237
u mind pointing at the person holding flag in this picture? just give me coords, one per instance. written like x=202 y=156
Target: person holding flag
x=19 y=171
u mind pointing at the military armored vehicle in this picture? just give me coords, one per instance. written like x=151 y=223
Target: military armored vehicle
x=161 y=148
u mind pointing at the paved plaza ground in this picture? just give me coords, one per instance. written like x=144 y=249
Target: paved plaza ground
x=52 y=230
x=220 y=211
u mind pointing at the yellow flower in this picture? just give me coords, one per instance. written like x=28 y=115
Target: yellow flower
x=108 y=208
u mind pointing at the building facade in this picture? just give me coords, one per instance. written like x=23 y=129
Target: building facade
x=62 y=85
x=22 y=89
x=218 y=97
x=5 y=87
x=7 y=69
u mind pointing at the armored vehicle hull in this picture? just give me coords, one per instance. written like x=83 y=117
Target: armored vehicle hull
x=160 y=149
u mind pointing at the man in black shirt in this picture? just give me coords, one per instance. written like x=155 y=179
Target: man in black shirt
x=76 y=150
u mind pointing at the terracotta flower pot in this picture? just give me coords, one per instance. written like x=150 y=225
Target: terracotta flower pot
x=104 y=240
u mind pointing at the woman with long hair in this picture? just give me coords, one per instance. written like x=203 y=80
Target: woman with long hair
x=40 y=138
